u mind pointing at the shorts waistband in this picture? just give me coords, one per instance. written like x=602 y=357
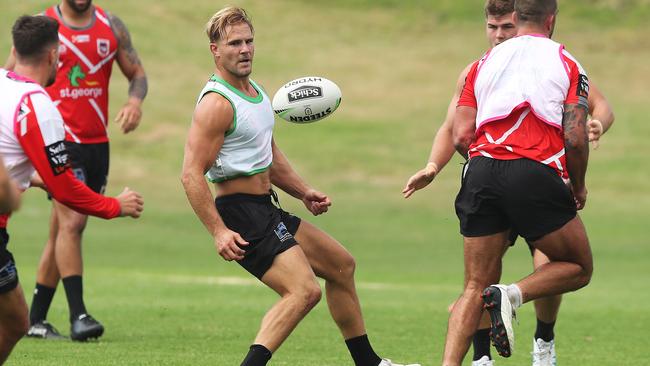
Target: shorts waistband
x=242 y=197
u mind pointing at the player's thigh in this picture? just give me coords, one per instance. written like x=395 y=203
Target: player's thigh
x=69 y=219
x=483 y=256
x=568 y=244
x=290 y=272
x=326 y=255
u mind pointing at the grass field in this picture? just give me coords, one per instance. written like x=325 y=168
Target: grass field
x=165 y=296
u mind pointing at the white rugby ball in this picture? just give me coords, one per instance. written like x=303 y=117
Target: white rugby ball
x=308 y=99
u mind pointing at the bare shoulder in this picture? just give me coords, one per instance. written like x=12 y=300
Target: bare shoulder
x=214 y=110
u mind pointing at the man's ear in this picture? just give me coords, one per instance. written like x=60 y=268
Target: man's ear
x=214 y=49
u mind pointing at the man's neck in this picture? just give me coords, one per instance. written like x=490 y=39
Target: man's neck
x=240 y=83
x=532 y=29
x=75 y=19
x=31 y=72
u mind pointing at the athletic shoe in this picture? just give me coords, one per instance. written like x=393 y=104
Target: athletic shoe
x=387 y=362
x=484 y=361
x=501 y=312
x=84 y=327
x=543 y=353
x=44 y=330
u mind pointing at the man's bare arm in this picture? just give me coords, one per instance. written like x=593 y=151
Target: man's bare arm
x=127 y=58
x=442 y=148
x=602 y=115
x=576 y=145
x=464 y=129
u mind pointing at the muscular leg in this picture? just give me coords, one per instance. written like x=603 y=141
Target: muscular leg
x=48 y=273
x=292 y=278
x=13 y=320
x=546 y=308
x=68 y=240
x=47 y=276
x=570 y=267
x=332 y=262
x=482 y=268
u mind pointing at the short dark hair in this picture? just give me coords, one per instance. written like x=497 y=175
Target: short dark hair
x=535 y=11
x=498 y=8
x=33 y=34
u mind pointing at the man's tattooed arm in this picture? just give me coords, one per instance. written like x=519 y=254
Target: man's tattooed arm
x=576 y=143
x=128 y=60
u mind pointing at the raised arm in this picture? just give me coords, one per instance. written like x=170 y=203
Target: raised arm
x=443 y=145
x=212 y=118
x=602 y=115
x=127 y=58
x=284 y=177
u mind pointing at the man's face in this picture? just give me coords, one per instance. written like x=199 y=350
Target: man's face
x=53 y=59
x=79 y=6
x=500 y=28
x=235 y=52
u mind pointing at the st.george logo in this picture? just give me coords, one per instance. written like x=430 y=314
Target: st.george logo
x=103 y=47
x=75 y=74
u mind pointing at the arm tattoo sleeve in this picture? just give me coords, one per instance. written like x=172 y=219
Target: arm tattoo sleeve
x=138 y=83
x=574 y=122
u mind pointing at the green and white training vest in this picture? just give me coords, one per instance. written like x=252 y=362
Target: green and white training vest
x=246 y=148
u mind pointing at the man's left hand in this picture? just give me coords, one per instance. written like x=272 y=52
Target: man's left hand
x=129 y=116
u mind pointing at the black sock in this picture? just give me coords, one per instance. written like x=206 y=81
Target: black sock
x=258 y=355
x=481 y=342
x=41 y=301
x=74 y=292
x=362 y=352
x=545 y=331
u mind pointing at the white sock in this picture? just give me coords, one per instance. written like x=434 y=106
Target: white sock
x=514 y=295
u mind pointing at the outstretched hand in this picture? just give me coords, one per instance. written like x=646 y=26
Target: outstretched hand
x=316 y=202
x=420 y=180
x=227 y=243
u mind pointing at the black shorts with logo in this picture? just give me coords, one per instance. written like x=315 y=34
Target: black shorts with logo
x=268 y=229
x=89 y=163
x=8 y=272
x=523 y=195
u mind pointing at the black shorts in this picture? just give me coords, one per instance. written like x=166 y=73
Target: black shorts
x=8 y=272
x=89 y=163
x=268 y=229
x=512 y=239
x=523 y=195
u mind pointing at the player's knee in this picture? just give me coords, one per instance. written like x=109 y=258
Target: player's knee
x=74 y=226
x=347 y=266
x=310 y=296
x=585 y=276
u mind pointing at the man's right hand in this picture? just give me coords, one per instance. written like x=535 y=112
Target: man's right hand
x=226 y=242
x=131 y=203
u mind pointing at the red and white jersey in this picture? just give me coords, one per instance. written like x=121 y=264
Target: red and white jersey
x=80 y=92
x=31 y=138
x=519 y=89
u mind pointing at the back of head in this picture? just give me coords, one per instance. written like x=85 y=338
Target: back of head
x=535 y=11
x=499 y=8
x=33 y=36
x=231 y=15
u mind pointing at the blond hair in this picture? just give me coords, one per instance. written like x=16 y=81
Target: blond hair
x=230 y=15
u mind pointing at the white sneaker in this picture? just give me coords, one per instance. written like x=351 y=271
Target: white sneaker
x=484 y=361
x=501 y=312
x=543 y=353
x=387 y=362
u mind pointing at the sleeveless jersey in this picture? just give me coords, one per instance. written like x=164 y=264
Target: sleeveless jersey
x=81 y=88
x=246 y=148
x=519 y=89
x=32 y=138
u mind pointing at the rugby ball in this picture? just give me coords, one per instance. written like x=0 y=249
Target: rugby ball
x=306 y=100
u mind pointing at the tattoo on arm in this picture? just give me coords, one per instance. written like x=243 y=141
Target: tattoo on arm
x=575 y=130
x=138 y=84
x=138 y=87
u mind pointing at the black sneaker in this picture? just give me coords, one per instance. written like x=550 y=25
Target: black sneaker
x=44 y=330
x=84 y=327
x=501 y=312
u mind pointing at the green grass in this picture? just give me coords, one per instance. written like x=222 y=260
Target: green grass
x=157 y=283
